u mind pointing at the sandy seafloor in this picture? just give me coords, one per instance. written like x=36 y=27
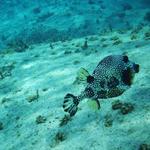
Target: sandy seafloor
x=52 y=71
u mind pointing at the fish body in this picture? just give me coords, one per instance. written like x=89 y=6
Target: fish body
x=112 y=76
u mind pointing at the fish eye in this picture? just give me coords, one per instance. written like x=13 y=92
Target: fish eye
x=125 y=59
x=136 y=68
x=90 y=79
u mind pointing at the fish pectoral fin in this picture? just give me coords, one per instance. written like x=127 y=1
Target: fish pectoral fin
x=82 y=75
x=94 y=104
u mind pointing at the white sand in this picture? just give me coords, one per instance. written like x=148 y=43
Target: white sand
x=41 y=67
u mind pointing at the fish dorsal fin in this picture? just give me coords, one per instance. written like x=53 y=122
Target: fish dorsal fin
x=82 y=75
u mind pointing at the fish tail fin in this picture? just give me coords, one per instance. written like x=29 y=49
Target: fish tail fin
x=70 y=104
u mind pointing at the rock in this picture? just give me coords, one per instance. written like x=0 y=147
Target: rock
x=40 y=119
x=1 y=126
x=126 y=108
x=117 y=105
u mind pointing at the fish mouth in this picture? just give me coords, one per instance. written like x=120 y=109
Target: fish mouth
x=136 y=68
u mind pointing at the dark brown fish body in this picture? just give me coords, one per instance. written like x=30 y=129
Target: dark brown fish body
x=112 y=76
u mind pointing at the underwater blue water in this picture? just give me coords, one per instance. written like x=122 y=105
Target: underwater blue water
x=43 y=44
x=44 y=20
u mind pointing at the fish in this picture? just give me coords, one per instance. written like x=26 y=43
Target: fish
x=112 y=76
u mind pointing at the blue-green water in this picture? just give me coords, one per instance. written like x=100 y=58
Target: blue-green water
x=43 y=45
x=40 y=21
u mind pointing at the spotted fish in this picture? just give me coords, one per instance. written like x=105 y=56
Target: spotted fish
x=112 y=76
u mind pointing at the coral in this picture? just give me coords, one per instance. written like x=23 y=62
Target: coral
x=117 y=42
x=90 y=2
x=51 y=46
x=77 y=51
x=116 y=105
x=115 y=38
x=40 y=119
x=121 y=15
x=133 y=37
x=76 y=62
x=1 y=75
x=103 y=39
x=45 y=89
x=126 y=108
x=8 y=51
x=104 y=45
x=53 y=53
x=108 y=121
x=44 y=16
x=67 y=52
x=126 y=6
x=147 y=16
x=147 y=35
x=36 y=10
x=121 y=31
x=60 y=136
x=78 y=45
x=5 y=100
x=6 y=70
x=93 y=38
x=1 y=126
x=85 y=45
x=137 y=29
x=65 y=120
x=18 y=45
x=34 y=97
